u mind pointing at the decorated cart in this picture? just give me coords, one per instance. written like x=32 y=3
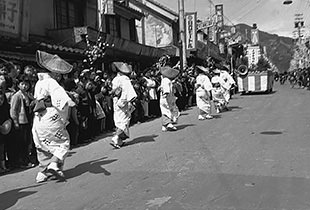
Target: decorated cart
x=256 y=81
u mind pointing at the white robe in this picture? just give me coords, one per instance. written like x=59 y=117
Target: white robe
x=228 y=82
x=49 y=127
x=122 y=105
x=168 y=105
x=202 y=92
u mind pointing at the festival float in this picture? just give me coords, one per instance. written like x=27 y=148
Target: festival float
x=257 y=78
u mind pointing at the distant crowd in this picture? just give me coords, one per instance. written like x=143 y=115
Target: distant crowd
x=298 y=78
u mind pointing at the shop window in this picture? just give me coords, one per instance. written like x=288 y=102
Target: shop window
x=69 y=13
x=113 y=25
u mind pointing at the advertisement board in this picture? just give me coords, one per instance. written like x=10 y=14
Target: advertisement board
x=10 y=17
x=157 y=32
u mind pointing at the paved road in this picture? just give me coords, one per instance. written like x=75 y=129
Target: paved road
x=255 y=156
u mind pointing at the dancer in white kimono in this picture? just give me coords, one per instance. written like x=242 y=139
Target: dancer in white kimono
x=203 y=93
x=228 y=84
x=218 y=91
x=123 y=103
x=51 y=113
x=169 y=110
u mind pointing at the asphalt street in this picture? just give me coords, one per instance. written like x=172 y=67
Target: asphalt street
x=255 y=156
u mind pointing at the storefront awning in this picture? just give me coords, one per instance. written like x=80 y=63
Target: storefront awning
x=133 y=47
x=17 y=56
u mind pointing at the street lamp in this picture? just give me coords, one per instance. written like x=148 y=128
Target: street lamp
x=287 y=2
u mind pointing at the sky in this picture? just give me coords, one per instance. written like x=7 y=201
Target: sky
x=271 y=16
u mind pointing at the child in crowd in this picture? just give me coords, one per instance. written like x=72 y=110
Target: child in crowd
x=21 y=115
x=100 y=116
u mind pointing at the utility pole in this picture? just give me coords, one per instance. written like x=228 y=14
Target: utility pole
x=182 y=35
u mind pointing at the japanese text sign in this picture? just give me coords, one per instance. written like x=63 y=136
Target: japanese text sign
x=10 y=16
x=220 y=15
x=191 y=30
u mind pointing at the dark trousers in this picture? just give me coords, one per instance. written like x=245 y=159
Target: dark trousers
x=20 y=145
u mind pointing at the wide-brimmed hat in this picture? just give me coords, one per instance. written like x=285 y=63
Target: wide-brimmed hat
x=122 y=67
x=169 y=72
x=204 y=69
x=5 y=128
x=52 y=63
x=216 y=71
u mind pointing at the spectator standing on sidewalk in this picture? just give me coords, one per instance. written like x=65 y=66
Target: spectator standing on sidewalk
x=4 y=116
x=21 y=116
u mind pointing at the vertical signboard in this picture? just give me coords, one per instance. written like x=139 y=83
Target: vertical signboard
x=219 y=11
x=191 y=30
x=254 y=37
x=10 y=17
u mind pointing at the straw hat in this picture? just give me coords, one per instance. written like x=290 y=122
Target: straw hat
x=5 y=128
x=216 y=71
x=52 y=63
x=204 y=69
x=169 y=72
x=123 y=67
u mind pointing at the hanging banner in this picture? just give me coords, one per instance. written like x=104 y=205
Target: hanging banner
x=219 y=11
x=108 y=7
x=10 y=16
x=191 y=30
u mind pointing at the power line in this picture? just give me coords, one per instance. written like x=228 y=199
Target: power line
x=244 y=7
x=249 y=11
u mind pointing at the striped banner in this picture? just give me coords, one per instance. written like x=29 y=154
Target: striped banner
x=255 y=82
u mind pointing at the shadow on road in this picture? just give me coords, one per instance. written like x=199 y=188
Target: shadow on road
x=271 y=132
x=217 y=116
x=10 y=198
x=70 y=154
x=93 y=166
x=141 y=139
x=258 y=93
x=180 y=127
x=234 y=107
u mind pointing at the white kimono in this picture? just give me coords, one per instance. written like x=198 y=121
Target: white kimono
x=218 y=92
x=168 y=105
x=202 y=93
x=122 y=105
x=228 y=82
x=49 y=127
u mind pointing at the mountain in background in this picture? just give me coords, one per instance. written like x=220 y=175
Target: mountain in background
x=279 y=49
